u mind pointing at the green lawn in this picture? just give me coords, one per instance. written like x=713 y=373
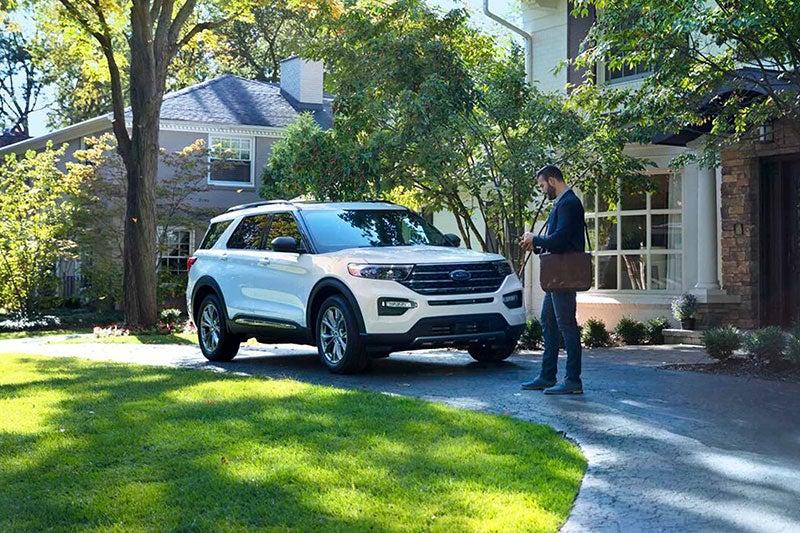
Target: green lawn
x=166 y=338
x=121 y=447
x=7 y=335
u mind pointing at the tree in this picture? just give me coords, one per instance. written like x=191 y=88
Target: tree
x=254 y=49
x=158 y=31
x=21 y=79
x=37 y=206
x=696 y=49
x=469 y=141
x=98 y=229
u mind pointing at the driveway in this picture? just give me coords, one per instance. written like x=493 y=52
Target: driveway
x=667 y=450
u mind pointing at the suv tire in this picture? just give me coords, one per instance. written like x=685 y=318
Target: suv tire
x=487 y=353
x=338 y=339
x=216 y=342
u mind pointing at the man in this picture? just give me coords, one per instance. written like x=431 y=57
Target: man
x=565 y=230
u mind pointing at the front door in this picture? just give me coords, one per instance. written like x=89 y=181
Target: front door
x=780 y=242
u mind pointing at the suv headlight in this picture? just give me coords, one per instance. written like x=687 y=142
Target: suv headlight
x=503 y=268
x=388 y=272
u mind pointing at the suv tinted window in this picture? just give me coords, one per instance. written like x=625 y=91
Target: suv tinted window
x=249 y=232
x=283 y=225
x=213 y=234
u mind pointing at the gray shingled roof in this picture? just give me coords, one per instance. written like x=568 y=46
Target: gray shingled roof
x=230 y=99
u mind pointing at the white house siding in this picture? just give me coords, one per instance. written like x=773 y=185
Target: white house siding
x=546 y=20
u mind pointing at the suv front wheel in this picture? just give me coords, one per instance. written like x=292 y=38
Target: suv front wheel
x=492 y=352
x=216 y=342
x=338 y=340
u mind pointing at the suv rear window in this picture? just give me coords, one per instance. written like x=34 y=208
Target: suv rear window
x=249 y=233
x=213 y=234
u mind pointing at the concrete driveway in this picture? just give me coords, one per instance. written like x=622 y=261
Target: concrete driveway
x=667 y=450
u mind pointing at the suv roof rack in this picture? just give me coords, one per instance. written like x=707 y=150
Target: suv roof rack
x=258 y=204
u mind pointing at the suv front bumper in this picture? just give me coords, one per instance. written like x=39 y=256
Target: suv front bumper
x=457 y=330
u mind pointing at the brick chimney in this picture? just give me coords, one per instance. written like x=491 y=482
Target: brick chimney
x=301 y=82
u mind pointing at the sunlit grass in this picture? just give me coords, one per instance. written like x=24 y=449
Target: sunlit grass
x=157 y=338
x=7 y=335
x=120 y=447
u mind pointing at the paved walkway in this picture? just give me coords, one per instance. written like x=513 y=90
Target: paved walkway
x=667 y=450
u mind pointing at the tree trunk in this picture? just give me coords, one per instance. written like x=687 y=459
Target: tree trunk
x=140 y=249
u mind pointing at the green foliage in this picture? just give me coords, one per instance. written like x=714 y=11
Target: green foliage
x=594 y=334
x=532 y=336
x=721 y=342
x=765 y=345
x=655 y=329
x=684 y=307
x=630 y=331
x=426 y=103
x=697 y=48
x=793 y=349
x=37 y=208
x=217 y=444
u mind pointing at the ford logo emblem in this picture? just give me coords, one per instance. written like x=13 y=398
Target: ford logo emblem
x=460 y=275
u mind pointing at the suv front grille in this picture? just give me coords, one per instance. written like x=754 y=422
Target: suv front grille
x=436 y=280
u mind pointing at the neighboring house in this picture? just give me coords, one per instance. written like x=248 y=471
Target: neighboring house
x=730 y=235
x=242 y=117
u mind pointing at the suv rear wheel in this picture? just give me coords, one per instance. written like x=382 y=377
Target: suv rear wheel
x=338 y=340
x=492 y=352
x=216 y=342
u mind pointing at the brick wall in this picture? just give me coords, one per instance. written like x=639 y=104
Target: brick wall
x=739 y=209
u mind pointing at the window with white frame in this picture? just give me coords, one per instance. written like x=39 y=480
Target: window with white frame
x=637 y=244
x=231 y=161
x=176 y=247
x=627 y=73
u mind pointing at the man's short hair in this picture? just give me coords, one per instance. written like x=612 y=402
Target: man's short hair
x=551 y=171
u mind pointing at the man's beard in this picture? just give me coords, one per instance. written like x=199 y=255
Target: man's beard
x=551 y=192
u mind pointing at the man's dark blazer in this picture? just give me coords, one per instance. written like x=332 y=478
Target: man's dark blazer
x=565 y=226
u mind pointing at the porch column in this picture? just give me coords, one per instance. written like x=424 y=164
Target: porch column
x=707 y=279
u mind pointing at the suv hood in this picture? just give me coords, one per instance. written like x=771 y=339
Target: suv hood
x=415 y=255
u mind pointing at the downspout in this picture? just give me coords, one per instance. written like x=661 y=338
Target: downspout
x=525 y=35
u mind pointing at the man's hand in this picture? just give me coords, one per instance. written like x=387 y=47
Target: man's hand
x=526 y=241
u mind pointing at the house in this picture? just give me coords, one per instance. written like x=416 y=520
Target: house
x=729 y=234
x=243 y=117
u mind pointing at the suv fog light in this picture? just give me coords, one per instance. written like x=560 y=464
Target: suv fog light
x=394 y=306
x=513 y=300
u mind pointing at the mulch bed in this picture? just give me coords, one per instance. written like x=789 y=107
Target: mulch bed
x=741 y=366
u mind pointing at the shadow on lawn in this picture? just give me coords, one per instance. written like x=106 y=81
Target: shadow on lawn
x=137 y=447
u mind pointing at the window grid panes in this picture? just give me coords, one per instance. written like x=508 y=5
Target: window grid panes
x=638 y=244
x=175 y=250
x=230 y=160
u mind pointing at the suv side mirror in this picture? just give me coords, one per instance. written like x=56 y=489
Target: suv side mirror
x=285 y=244
x=452 y=239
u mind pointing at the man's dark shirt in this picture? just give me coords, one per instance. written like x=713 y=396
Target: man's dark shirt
x=565 y=226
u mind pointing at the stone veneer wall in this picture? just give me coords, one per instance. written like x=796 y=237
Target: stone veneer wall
x=739 y=206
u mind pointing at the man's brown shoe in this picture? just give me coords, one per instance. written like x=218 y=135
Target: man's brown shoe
x=537 y=384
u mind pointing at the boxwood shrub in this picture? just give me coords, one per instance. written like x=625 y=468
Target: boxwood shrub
x=721 y=342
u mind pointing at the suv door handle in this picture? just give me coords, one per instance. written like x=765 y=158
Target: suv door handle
x=264 y=261
x=224 y=257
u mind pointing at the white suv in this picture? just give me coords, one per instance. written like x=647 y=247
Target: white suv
x=358 y=280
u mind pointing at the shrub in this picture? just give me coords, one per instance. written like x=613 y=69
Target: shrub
x=630 y=331
x=594 y=334
x=170 y=317
x=684 y=307
x=532 y=336
x=793 y=348
x=655 y=329
x=721 y=342
x=29 y=323
x=765 y=345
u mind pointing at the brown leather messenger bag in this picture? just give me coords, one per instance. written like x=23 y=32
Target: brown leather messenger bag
x=562 y=272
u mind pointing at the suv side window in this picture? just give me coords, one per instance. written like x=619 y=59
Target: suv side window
x=213 y=234
x=249 y=233
x=283 y=225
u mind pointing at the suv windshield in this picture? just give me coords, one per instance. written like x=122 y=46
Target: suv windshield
x=357 y=228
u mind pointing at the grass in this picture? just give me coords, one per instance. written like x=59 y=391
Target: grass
x=8 y=335
x=121 y=447
x=165 y=338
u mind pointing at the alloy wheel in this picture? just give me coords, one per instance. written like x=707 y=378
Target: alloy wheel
x=210 y=327
x=333 y=335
